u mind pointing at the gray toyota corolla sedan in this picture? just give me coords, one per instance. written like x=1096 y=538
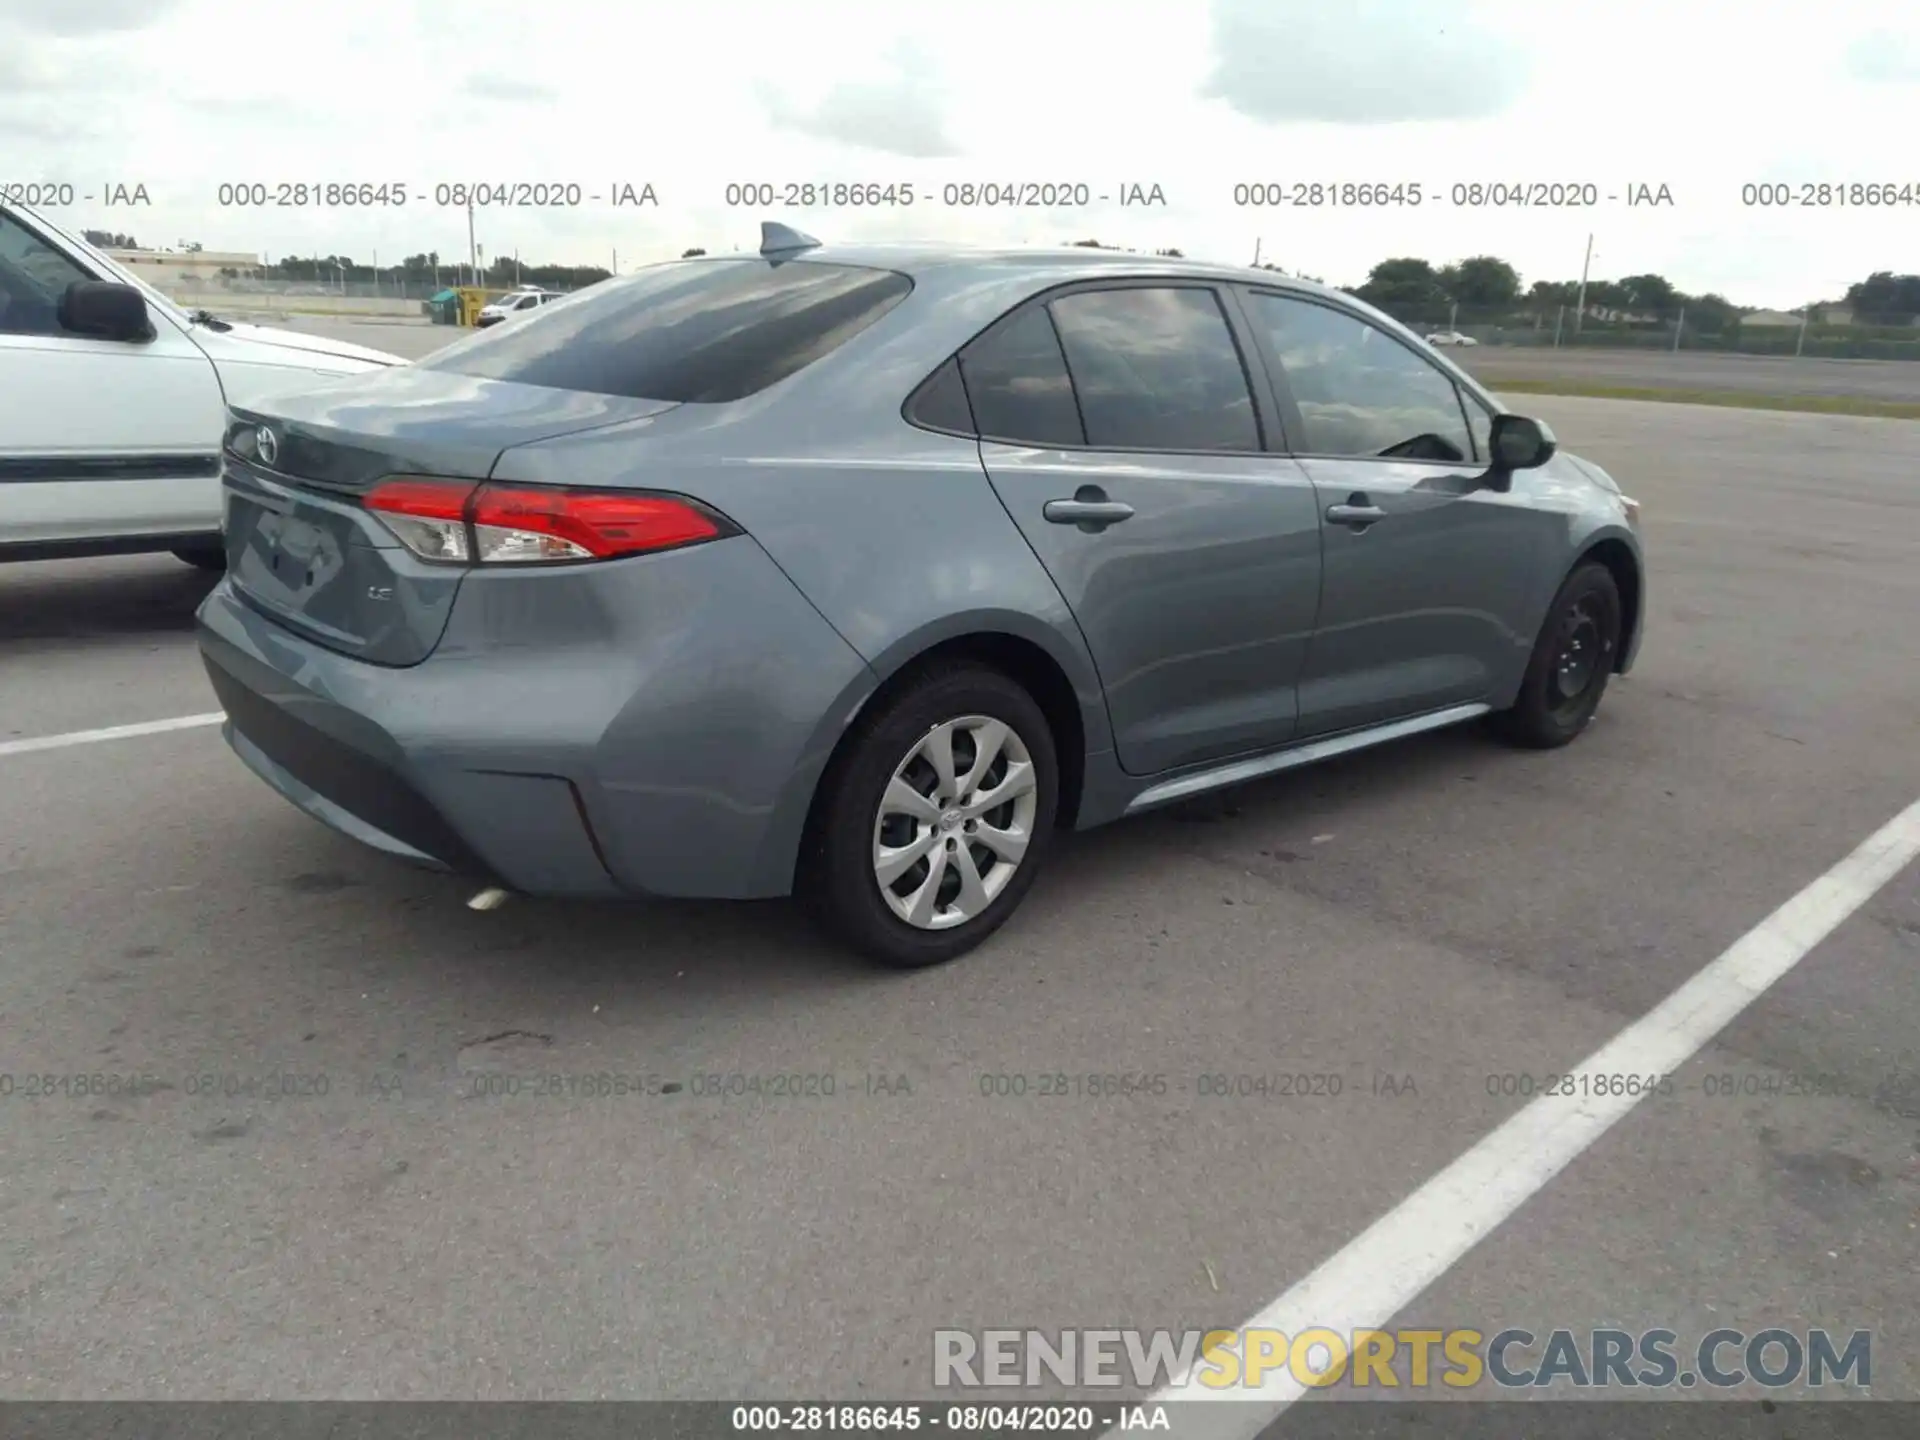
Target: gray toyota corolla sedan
x=856 y=573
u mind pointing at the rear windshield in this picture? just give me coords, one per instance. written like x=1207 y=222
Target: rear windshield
x=701 y=331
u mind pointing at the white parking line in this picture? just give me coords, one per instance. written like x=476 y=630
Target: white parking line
x=112 y=732
x=1380 y=1272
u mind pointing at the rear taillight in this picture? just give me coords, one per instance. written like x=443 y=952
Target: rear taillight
x=456 y=522
x=428 y=516
x=515 y=525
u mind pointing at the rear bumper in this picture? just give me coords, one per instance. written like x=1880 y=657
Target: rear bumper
x=348 y=771
x=652 y=727
x=322 y=809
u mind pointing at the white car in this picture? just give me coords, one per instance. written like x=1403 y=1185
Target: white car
x=113 y=401
x=520 y=302
x=1451 y=337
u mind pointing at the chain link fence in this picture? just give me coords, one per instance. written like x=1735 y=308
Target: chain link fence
x=1722 y=331
x=241 y=287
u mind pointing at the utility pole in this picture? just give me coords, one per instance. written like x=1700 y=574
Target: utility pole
x=1559 y=317
x=1256 y=251
x=473 y=250
x=1678 y=326
x=1800 y=342
x=1584 y=266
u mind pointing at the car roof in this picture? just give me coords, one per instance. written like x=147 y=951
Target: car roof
x=970 y=287
x=1046 y=266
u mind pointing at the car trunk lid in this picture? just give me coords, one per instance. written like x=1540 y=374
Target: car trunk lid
x=301 y=547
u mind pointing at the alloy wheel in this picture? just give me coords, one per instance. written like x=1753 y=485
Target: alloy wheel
x=954 y=822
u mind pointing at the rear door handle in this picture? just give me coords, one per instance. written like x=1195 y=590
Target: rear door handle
x=1091 y=514
x=1357 y=515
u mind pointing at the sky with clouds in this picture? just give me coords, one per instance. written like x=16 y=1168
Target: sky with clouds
x=1194 y=96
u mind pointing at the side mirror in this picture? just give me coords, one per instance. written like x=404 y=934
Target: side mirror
x=1519 y=442
x=104 y=310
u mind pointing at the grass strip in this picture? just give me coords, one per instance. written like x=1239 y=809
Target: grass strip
x=1734 y=399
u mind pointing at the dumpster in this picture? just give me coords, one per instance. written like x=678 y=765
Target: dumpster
x=445 y=307
x=472 y=299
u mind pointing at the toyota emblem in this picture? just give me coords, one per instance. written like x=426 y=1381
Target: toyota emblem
x=267 y=444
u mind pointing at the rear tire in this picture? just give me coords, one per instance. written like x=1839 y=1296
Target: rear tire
x=903 y=862
x=1572 y=660
x=203 y=557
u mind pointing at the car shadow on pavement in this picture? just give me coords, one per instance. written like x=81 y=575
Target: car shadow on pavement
x=415 y=926
x=132 y=595
x=531 y=950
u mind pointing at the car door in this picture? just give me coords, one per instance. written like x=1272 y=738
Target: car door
x=99 y=439
x=1428 y=571
x=1120 y=426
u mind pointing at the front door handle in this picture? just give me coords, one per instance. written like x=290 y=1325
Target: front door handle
x=1359 y=516
x=1089 y=512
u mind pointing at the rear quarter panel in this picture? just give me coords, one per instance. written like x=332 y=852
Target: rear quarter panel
x=892 y=533
x=692 y=697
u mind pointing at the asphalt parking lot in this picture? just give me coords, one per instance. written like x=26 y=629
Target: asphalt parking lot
x=1446 y=913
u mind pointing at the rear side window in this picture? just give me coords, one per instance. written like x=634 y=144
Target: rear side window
x=941 y=402
x=1017 y=380
x=1156 y=368
x=698 y=332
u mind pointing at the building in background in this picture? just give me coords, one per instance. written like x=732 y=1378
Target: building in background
x=163 y=269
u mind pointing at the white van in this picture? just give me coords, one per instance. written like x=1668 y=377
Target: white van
x=521 y=301
x=113 y=401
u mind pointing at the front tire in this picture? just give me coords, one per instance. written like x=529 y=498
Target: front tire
x=1572 y=660
x=934 y=819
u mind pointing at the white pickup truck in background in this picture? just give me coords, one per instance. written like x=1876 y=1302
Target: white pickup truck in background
x=113 y=401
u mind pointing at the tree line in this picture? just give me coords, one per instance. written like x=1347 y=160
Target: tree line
x=501 y=272
x=1486 y=283
x=1404 y=285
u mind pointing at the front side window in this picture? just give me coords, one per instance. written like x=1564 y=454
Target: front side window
x=1156 y=368
x=1480 y=425
x=1361 y=393
x=33 y=277
x=696 y=332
